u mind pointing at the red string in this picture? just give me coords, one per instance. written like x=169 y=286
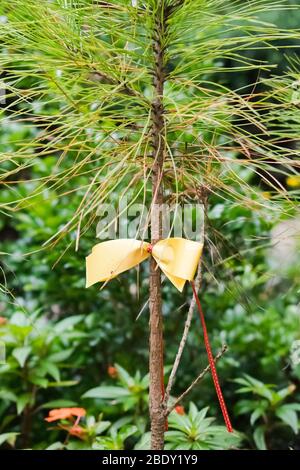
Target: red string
x=212 y=363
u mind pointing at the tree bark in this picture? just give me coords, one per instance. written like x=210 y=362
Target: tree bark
x=157 y=415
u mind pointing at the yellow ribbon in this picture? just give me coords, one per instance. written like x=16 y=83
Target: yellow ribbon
x=178 y=259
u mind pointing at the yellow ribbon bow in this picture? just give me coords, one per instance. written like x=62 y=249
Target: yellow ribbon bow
x=178 y=259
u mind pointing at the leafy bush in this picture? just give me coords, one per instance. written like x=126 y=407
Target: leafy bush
x=268 y=409
x=194 y=431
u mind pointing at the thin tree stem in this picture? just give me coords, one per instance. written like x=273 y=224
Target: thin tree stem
x=195 y=382
x=184 y=338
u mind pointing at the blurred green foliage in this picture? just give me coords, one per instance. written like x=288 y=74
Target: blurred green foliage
x=61 y=338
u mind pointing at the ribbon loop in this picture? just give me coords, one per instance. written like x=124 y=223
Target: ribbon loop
x=111 y=258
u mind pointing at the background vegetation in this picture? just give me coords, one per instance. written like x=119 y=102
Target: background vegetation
x=70 y=347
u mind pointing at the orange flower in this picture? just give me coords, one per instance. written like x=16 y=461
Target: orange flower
x=65 y=413
x=3 y=320
x=179 y=410
x=76 y=431
x=112 y=372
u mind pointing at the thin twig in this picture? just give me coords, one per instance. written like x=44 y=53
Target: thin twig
x=196 y=381
x=183 y=341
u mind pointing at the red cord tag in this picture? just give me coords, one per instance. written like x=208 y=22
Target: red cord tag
x=212 y=363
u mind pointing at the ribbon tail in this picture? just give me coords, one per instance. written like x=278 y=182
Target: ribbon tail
x=212 y=363
x=178 y=282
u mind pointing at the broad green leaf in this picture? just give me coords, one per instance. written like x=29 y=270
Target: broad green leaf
x=21 y=354
x=125 y=378
x=63 y=383
x=288 y=416
x=51 y=369
x=60 y=356
x=285 y=392
x=8 y=395
x=19 y=319
x=256 y=415
x=77 y=445
x=22 y=401
x=9 y=437
x=144 y=443
x=40 y=381
x=245 y=406
x=259 y=438
x=127 y=431
x=107 y=392
x=68 y=323
x=59 y=404
x=292 y=406
x=101 y=427
x=56 y=446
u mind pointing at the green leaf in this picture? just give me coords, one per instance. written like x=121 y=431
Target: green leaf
x=121 y=422
x=9 y=437
x=21 y=354
x=292 y=406
x=244 y=406
x=40 y=381
x=59 y=404
x=124 y=377
x=63 y=383
x=288 y=416
x=77 y=445
x=256 y=415
x=19 y=319
x=51 y=369
x=107 y=393
x=22 y=401
x=101 y=427
x=193 y=411
x=144 y=443
x=127 y=431
x=56 y=446
x=68 y=323
x=259 y=438
x=285 y=392
x=60 y=356
x=7 y=395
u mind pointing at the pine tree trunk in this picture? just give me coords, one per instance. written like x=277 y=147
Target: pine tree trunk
x=156 y=324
